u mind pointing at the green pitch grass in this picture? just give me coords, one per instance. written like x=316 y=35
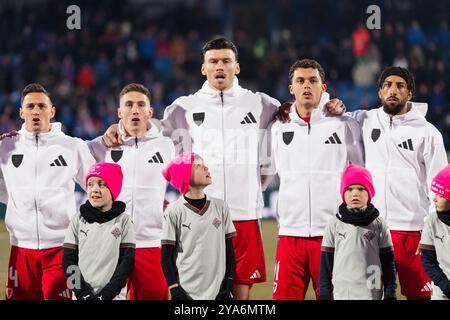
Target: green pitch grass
x=260 y=291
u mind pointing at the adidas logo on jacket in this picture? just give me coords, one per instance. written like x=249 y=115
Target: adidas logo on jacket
x=40 y=172
x=142 y=160
x=227 y=129
x=310 y=159
x=403 y=153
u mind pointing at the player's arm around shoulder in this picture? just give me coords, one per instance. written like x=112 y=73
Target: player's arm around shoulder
x=84 y=161
x=354 y=141
x=97 y=148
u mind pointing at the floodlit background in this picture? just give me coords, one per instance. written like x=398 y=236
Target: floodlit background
x=158 y=43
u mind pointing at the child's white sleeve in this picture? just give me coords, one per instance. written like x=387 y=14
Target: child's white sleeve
x=128 y=236
x=427 y=237
x=385 y=240
x=230 y=231
x=328 y=243
x=71 y=239
x=169 y=227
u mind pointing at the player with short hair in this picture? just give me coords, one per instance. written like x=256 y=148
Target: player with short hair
x=38 y=171
x=143 y=155
x=309 y=154
x=226 y=124
x=401 y=149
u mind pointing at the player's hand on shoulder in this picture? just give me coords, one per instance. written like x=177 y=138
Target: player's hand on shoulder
x=111 y=138
x=165 y=204
x=282 y=113
x=9 y=134
x=336 y=107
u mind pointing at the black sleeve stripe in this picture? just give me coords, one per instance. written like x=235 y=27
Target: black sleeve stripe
x=70 y=246
x=327 y=249
x=127 y=245
x=386 y=249
x=230 y=235
x=426 y=247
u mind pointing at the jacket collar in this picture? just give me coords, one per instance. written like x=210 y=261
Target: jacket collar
x=152 y=133
x=230 y=92
x=55 y=131
x=317 y=114
x=417 y=112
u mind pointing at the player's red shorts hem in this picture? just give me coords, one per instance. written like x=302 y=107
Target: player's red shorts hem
x=147 y=281
x=414 y=282
x=36 y=275
x=297 y=262
x=249 y=253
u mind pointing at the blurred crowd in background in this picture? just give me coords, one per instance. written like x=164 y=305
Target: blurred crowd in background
x=158 y=43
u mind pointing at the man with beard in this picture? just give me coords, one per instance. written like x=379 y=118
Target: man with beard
x=404 y=152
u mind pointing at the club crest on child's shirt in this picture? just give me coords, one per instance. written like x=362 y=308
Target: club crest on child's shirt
x=369 y=235
x=216 y=223
x=116 y=233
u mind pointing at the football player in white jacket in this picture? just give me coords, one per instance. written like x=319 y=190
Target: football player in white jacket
x=404 y=152
x=142 y=156
x=227 y=125
x=38 y=170
x=310 y=153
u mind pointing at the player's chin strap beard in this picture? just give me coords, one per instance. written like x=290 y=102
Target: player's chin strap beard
x=393 y=111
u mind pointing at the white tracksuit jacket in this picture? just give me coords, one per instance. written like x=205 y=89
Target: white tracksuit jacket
x=228 y=129
x=310 y=159
x=142 y=160
x=403 y=153
x=37 y=181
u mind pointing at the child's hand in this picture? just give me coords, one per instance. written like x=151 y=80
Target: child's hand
x=105 y=294
x=225 y=290
x=178 y=293
x=85 y=295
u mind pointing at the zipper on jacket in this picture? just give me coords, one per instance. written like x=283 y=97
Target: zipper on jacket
x=223 y=152
x=309 y=178
x=35 y=191
x=134 y=176
x=387 y=169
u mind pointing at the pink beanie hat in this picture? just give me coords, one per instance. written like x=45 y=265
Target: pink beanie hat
x=179 y=171
x=355 y=174
x=110 y=173
x=441 y=183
